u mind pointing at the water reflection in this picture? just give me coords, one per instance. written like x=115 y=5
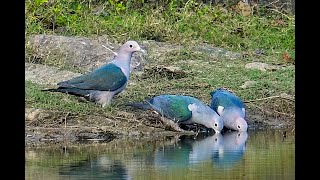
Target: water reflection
x=231 y=149
x=257 y=154
x=204 y=149
x=174 y=154
x=99 y=168
x=222 y=150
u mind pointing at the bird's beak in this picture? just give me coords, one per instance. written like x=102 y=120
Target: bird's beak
x=142 y=49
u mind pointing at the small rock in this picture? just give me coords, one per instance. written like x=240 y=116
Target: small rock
x=260 y=66
x=286 y=96
x=84 y=53
x=259 y=52
x=47 y=75
x=32 y=114
x=248 y=84
x=35 y=114
x=244 y=8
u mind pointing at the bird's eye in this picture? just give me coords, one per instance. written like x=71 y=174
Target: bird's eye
x=215 y=124
x=130 y=46
x=238 y=126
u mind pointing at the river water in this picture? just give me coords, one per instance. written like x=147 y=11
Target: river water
x=256 y=154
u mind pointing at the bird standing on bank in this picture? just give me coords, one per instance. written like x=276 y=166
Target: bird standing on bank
x=102 y=84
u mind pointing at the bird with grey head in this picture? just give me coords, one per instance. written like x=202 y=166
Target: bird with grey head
x=102 y=84
x=183 y=109
x=230 y=108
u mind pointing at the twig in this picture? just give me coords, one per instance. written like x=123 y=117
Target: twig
x=65 y=125
x=262 y=109
x=32 y=121
x=110 y=50
x=171 y=124
x=271 y=97
x=130 y=120
x=95 y=139
x=65 y=120
x=74 y=127
x=273 y=2
x=196 y=134
x=286 y=114
x=282 y=14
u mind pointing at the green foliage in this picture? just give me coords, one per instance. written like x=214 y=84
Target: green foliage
x=180 y=22
x=175 y=21
x=39 y=2
x=55 y=101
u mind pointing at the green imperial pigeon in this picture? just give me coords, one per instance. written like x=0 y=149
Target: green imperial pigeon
x=230 y=108
x=183 y=109
x=102 y=84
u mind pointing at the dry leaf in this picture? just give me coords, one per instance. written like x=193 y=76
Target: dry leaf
x=286 y=58
x=278 y=22
x=244 y=8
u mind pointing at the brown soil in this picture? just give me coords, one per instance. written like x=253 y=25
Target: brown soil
x=51 y=127
x=43 y=126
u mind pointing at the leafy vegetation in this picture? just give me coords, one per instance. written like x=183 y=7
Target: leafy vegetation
x=188 y=23
x=173 y=21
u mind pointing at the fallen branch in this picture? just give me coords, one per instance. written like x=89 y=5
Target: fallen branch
x=172 y=124
x=59 y=128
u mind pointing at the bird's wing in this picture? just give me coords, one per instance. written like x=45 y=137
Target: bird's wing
x=173 y=107
x=222 y=98
x=106 y=78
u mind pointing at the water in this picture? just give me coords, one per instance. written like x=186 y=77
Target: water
x=266 y=154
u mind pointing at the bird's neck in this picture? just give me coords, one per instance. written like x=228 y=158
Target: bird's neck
x=234 y=110
x=231 y=114
x=202 y=114
x=123 y=61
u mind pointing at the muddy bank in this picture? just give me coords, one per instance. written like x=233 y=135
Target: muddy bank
x=51 y=58
x=45 y=126
x=52 y=127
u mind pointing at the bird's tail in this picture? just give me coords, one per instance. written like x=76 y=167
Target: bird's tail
x=74 y=91
x=145 y=105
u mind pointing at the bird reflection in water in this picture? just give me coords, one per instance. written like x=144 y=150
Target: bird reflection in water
x=223 y=150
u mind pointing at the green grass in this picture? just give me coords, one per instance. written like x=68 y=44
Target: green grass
x=59 y=101
x=203 y=76
x=50 y=100
x=174 y=23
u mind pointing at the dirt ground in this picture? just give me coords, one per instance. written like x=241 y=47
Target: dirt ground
x=52 y=127
x=43 y=126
